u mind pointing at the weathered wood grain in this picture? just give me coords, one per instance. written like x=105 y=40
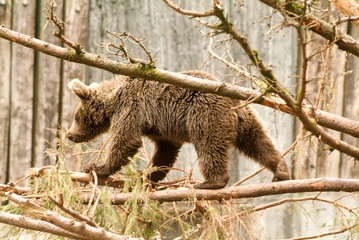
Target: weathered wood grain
x=349 y=167
x=5 y=66
x=22 y=82
x=174 y=47
x=47 y=90
x=314 y=158
x=328 y=161
x=76 y=20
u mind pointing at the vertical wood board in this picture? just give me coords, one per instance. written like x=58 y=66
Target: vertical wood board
x=76 y=22
x=47 y=89
x=349 y=166
x=328 y=161
x=22 y=80
x=5 y=59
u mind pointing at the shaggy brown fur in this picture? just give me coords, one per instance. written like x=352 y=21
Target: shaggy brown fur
x=171 y=116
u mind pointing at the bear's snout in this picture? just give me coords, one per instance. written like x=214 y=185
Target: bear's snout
x=73 y=137
x=70 y=136
x=78 y=138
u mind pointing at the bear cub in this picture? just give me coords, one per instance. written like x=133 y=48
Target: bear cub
x=171 y=116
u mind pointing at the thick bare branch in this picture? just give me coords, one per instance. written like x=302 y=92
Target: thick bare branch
x=248 y=191
x=37 y=225
x=70 y=225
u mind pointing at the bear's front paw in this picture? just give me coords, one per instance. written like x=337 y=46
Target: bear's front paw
x=100 y=171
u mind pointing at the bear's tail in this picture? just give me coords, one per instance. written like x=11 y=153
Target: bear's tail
x=255 y=143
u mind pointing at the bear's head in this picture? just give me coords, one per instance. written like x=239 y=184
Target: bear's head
x=91 y=115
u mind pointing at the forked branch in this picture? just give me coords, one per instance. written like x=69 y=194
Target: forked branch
x=60 y=26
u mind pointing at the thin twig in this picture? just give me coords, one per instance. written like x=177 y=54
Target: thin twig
x=73 y=213
x=327 y=234
x=35 y=173
x=60 y=26
x=188 y=12
x=248 y=177
x=324 y=77
x=101 y=150
x=136 y=41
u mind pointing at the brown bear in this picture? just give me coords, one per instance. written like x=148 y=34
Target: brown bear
x=171 y=116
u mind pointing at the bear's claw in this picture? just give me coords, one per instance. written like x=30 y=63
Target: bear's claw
x=97 y=169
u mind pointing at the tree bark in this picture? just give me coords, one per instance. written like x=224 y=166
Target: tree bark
x=36 y=225
x=69 y=225
x=248 y=191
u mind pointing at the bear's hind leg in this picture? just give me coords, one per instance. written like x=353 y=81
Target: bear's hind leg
x=213 y=164
x=165 y=156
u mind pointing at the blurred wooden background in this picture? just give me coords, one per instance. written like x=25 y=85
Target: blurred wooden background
x=35 y=100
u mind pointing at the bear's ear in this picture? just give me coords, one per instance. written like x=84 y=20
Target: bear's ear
x=94 y=85
x=80 y=89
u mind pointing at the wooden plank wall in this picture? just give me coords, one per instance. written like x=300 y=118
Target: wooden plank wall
x=76 y=20
x=349 y=168
x=34 y=99
x=47 y=85
x=314 y=159
x=5 y=68
x=21 y=92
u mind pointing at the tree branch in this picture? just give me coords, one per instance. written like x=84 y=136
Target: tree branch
x=180 y=80
x=37 y=225
x=15 y=189
x=74 y=213
x=248 y=191
x=188 y=12
x=78 y=228
x=348 y=8
x=324 y=29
